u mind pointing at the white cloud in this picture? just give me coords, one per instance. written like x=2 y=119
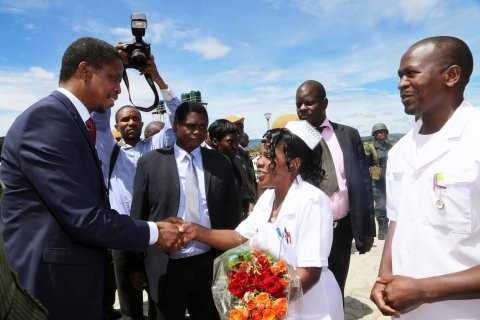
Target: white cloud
x=417 y=10
x=369 y=12
x=89 y=26
x=24 y=6
x=172 y=34
x=251 y=75
x=40 y=73
x=159 y=30
x=122 y=34
x=20 y=89
x=210 y=48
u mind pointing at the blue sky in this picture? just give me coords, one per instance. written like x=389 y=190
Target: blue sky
x=247 y=57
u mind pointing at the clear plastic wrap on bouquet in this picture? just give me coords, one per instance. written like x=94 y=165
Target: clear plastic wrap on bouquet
x=250 y=283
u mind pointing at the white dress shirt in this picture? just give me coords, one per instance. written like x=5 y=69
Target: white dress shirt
x=195 y=247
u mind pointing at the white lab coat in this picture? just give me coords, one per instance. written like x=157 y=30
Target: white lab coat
x=437 y=224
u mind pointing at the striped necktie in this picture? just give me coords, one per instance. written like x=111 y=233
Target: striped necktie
x=91 y=130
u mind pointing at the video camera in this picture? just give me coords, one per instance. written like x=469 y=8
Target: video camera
x=138 y=53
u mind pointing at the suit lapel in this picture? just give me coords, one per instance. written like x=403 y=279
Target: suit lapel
x=207 y=171
x=80 y=124
x=342 y=141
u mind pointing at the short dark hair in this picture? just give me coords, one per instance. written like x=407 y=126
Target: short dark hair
x=294 y=147
x=220 y=128
x=117 y=114
x=452 y=51
x=94 y=51
x=186 y=107
x=319 y=88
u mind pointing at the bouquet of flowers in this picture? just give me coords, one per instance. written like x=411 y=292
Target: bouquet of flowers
x=251 y=284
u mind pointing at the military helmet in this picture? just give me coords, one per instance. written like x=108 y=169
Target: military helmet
x=379 y=126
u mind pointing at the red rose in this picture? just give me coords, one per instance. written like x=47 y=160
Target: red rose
x=238 y=284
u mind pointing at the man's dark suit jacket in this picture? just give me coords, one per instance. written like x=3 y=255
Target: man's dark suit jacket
x=358 y=183
x=56 y=215
x=156 y=196
x=15 y=303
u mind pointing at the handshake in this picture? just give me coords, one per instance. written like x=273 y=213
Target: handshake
x=174 y=233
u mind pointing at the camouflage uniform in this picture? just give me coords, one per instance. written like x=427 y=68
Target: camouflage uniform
x=377 y=155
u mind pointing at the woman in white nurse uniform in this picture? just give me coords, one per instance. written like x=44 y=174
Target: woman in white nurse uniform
x=292 y=218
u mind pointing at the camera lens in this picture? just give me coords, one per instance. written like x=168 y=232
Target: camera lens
x=138 y=58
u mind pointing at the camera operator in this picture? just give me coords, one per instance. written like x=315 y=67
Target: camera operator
x=119 y=166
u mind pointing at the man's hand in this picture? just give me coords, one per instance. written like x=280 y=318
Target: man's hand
x=402 y=293
x=169 y=235
x=151 y=70
x=377 y=296
x=189 y=232
x=364 y=244
x=121 y=50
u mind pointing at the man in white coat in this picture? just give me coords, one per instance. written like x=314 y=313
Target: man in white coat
x=430 y=267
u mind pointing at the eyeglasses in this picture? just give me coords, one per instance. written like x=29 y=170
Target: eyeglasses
x=194 y=127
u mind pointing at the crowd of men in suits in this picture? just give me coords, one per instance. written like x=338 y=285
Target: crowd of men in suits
x=73 y=194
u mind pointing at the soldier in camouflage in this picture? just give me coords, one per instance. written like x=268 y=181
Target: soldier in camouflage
x=377 y=154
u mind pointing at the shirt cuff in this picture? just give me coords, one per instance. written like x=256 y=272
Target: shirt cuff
x=153 y=232
x=167 y=94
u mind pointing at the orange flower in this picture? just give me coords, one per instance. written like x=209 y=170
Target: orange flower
x=238 y=313
x=251 y=305
x=262 y=300
x=268 y=314
x=284 y=282
x=280 y=307
x=279 y=267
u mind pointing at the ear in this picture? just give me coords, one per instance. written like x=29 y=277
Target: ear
x=295 y=165
x=116 y=126
x=214 y=141
x=85 y=71
x=452 y=75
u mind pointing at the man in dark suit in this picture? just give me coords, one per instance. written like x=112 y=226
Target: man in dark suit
x=55 y=210
x=196 y=185
x=347 y=179
x=224 y=138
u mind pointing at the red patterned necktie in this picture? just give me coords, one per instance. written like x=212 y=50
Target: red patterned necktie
x=91 y=130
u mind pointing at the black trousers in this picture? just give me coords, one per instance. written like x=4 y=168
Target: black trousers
x=187 y=285
x=339 y=259
x=109 y=288
x=130 y=299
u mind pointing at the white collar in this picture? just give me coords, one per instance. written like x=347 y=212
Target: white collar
x=454 y=125
x=81 y=109
x=181 y=154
